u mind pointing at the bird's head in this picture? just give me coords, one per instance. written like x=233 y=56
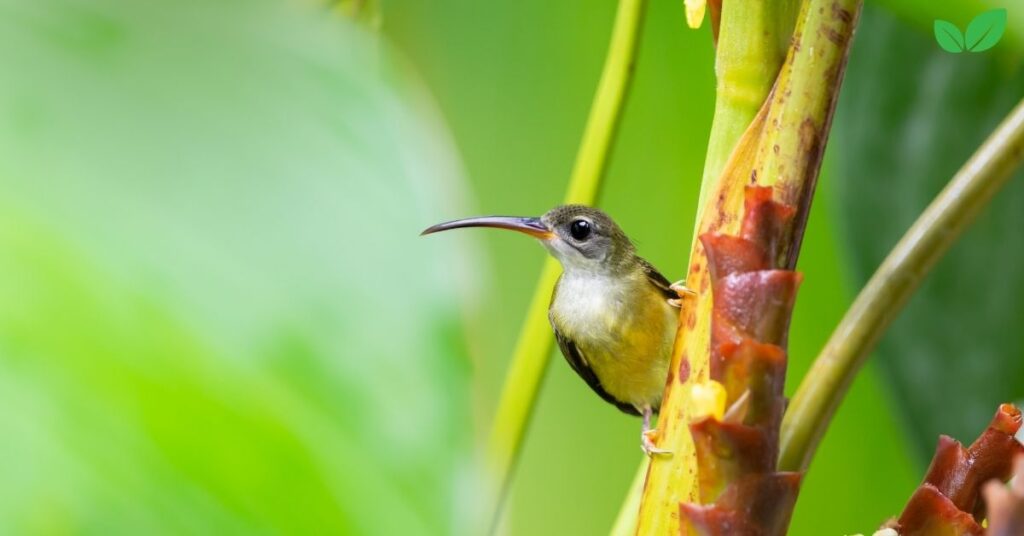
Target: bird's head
x=581 y=238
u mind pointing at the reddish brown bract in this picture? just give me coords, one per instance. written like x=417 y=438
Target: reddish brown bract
x=948 y=502
x=740 y=490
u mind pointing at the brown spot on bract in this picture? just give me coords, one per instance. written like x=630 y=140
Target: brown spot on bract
x=775 y=148
x=720 y=202
x=808 y=135
x=691 y=321
x=832 y=76
x=842 y=14
x=790 y=191
x=753 y=176
x=684 y=369
x=835 y=37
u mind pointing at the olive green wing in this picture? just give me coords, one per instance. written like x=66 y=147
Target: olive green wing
x=579 y=363
x=659 y=281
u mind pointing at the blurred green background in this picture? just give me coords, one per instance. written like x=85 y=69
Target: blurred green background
x=216 y=316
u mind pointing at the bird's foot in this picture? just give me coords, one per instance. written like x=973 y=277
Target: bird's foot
x=682 y=291
x=647 y=438
x=649 y=435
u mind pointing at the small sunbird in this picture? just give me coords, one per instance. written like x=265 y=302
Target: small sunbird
x=614 y=315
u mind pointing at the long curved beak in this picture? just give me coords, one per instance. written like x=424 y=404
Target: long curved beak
x=531 y=226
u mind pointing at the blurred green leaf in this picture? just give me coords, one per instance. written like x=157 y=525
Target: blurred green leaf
x=215 y=315
x=949 y=36
x=954 y=353
x=986 y=30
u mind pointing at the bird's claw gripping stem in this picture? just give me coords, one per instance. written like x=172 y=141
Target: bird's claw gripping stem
x=647 y=445
x=682 y=291
x=648 y=435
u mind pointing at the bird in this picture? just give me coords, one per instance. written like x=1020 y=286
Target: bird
x=614 y=315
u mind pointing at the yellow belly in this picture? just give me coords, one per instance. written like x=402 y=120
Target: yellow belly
x=624 y=329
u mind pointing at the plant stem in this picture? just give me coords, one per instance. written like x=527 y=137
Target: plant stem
x=896 y=279
x=533 y=348
x=751 y=47
x=782 y=148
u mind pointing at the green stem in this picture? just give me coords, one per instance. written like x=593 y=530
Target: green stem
x=533 y=349
x=887 y=291
x=752 y=42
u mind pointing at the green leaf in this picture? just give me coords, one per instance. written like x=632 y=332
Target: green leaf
x=985 y=30
x=216 y=316
x=954 y=352
x=948 y=36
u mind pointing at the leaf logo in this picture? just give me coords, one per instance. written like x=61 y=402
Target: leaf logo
x=982 y=33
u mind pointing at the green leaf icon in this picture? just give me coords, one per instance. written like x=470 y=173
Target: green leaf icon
x=949 y=36
x=985 y=30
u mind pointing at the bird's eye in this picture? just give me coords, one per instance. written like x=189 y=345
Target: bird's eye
x=580 y=229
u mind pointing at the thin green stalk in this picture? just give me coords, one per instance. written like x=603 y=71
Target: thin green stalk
x=533 y=349
x=887 y=291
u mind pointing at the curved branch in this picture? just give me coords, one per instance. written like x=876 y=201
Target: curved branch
x=896 y=279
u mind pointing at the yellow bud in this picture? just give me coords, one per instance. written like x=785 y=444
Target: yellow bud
x=695 y=12
x=708 y=399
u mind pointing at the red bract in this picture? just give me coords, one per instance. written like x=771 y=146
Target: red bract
x=947 y=502
x=755 y=505
x=737 y=456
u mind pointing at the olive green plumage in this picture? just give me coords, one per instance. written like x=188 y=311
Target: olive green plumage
x=610 y=309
